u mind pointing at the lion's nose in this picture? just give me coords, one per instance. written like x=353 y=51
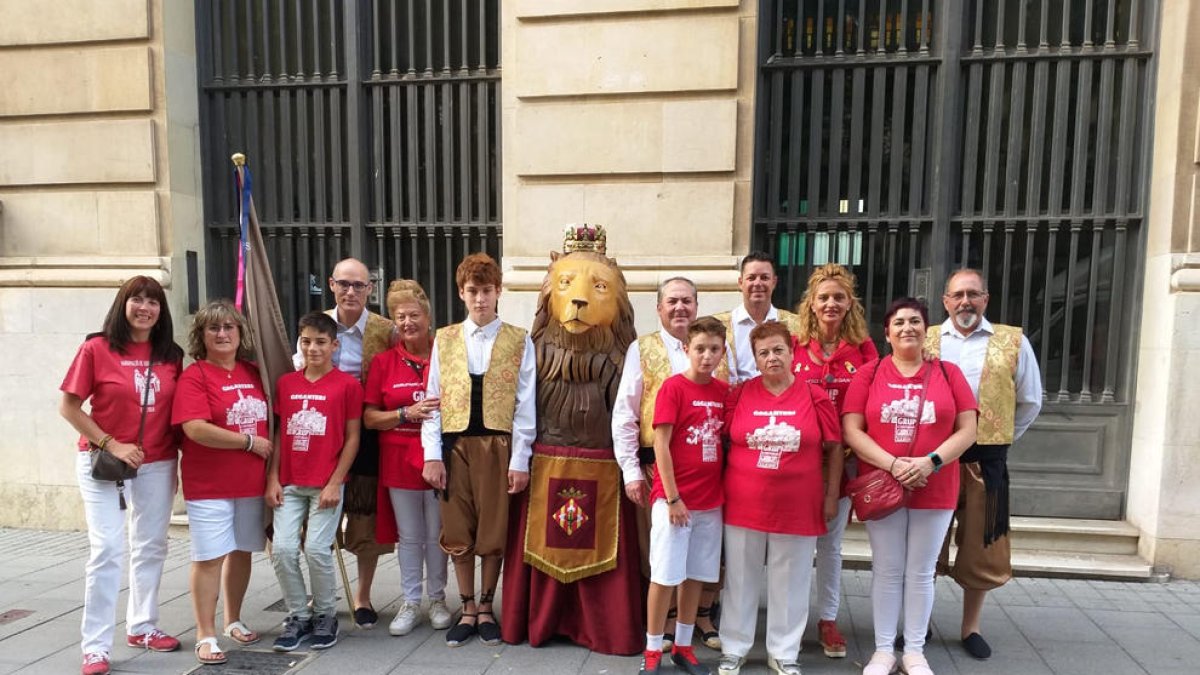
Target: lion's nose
x=579 y=302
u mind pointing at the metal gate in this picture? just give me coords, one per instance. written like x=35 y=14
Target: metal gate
x=906 y=138
x=373 y=129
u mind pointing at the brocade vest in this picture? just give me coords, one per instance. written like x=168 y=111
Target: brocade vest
x=377 y=338
x=997 y=382
x=787 y=318
x=499 y=382
x=656 y=368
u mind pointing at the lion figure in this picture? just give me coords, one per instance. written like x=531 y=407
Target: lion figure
x=583 y=326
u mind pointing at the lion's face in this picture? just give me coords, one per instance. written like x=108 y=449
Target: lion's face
x=584 y=294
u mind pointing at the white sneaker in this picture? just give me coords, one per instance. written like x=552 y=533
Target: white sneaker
x=406 y=619
x=439 y=615
x=730 y=664
x=783 y=667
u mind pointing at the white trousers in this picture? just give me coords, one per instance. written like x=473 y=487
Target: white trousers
x=789 y=574
x=904 y=551
x=149 y=498
x=419 y=521
x=829 y=563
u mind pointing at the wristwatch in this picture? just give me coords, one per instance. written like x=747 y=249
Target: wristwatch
x=937 y=461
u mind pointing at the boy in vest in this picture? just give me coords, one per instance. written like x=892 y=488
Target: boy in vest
x=685 y=531
x=478 y=445
x=320 y=412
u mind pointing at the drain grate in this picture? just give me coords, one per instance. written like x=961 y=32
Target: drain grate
x=245 y=662
x=13 y=615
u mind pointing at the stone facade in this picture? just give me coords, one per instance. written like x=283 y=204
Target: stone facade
x=631 y=127
x=98 y=148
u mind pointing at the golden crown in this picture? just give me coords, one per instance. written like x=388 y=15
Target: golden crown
x=584 y=237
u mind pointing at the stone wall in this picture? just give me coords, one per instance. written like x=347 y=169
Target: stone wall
x=634 y=114
x=98 y=149
x=1165 y=464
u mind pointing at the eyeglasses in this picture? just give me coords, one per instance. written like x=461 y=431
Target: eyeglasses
x=216 y=329
x=970 y=295
x=358 y=286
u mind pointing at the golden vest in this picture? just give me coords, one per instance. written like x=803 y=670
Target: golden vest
x=787 y=318
x=377 y=338
x=499 y=382
x=997 y=382
x=656 y=368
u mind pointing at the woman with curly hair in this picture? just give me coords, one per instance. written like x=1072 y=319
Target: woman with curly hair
x=222 y=408
x=830 y=346
x=127 y=373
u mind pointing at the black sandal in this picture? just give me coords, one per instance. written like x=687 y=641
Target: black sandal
x=669 y=630
x=489 y=631
x=461 y=633
x=710 y=638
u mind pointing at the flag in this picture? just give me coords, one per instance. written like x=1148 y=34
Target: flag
x=255 y=283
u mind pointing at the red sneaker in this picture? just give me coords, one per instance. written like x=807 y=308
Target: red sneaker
x=685 y=660
x=831 y=639
x=155 y=641
x=95 y=663
x=650 y=662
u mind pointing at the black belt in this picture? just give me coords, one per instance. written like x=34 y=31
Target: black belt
x=993 y=467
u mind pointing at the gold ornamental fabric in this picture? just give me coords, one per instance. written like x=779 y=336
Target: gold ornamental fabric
x=787 y=318
x=377 y=338
x=997 y=382
x=499 y=382
x=656 y=368
x=574 y=520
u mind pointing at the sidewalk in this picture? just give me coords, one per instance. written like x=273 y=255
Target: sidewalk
x=1034 y=625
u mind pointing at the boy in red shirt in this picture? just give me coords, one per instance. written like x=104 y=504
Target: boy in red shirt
x=320 y=411
x=685 y=530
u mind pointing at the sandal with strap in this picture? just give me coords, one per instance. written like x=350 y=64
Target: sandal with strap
x=710 y=638
x=215 y=655
x=669 y=632
x=489 y=631
x=241 y=634
x=461 y=633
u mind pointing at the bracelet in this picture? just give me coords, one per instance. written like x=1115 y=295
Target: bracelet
x=402 y=414
x=249 y=443
x=893 y=465
x=674 y=501
x=103 y=444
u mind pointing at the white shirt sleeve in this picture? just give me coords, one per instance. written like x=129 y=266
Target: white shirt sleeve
x=626 y=425
x=1029 y=389
x=431 y=427
x=525 y=417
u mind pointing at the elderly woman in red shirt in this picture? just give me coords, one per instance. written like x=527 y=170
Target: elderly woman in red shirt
x=777 y=498
x=910 y=417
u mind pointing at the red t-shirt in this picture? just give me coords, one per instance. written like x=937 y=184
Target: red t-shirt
x=232 y=400
x=835 y=373
x=887 y=401
x=774 y=482
x=312 y=420
x=697 y=413
x=116 y=384
x=397 y=378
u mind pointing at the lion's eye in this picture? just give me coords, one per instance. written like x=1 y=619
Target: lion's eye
x=564 y=282
x=601 y=286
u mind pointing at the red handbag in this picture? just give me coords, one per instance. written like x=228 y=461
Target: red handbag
x=874 y=493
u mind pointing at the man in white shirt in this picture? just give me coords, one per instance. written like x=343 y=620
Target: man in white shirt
x=478 y=444
x=757 y=282
x=649 y=361
x=1000 y=366
x=361 y=334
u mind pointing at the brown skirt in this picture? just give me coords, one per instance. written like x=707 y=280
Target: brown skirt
x=976 y=567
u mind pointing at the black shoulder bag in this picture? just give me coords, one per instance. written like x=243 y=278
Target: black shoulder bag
x=106 y=466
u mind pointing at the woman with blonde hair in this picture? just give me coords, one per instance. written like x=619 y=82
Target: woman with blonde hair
x=831 y=345
x=395 y=406
x=222 y=407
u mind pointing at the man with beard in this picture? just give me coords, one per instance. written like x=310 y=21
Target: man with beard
x=650 y=360
x=1002 y=370
x=757 y=282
